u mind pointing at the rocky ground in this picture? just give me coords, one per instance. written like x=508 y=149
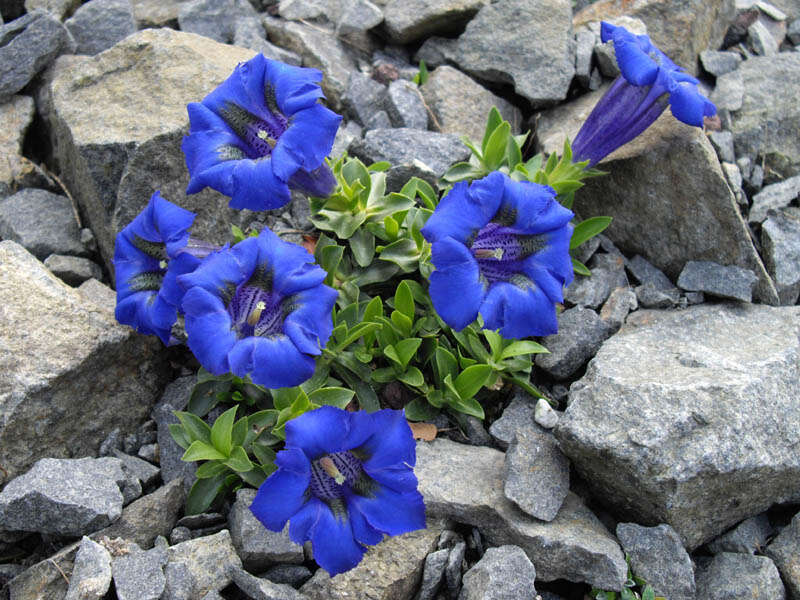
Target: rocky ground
x=676 y=367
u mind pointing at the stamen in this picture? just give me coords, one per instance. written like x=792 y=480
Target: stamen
x=326 y=462
x=255 y=315
x=489 y=253
x=162 y=264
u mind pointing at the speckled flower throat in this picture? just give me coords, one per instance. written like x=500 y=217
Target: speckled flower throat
x=332 y=474
x=258 y=135
x=150 y=280
x=255 y=309
x=500 y=251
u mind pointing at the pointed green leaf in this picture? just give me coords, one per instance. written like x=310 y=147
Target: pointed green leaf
x=585 y=230
x=203 y=494
x=468 y=407
x=580 y=268
x=493 y=121
x=331 y=257
x=413 y=377
x=367 y=398
x=211 y=469
x=383 y=375
x=221 y=431
x=446 y=363
x=179 y=435
x=362 y=245
x=264 y=454
x=194 y=426
x=239 y=432
x=513 y=153
x=471 y=379
x=419 y=410
x=495 y=342
x=202 y=451
x=283 y=397
x=402 y=322
x=495 y=150
x=381 y=165
x=332 y=396
x=238 y=460
x=406 y=349
x=404 y=300
x=522 y=347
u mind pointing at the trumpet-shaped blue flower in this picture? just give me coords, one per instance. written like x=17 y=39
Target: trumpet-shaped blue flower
x=149 y=254
x=259 y=133
x=343 y=481
x=649 y=81
x=501 y=248
x=259 y=309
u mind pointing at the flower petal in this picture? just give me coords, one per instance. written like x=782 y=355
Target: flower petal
x=208 y=327
x=391 y=512
x=633 y=58
x=455 y=286
x=310 y=324
x=363 y=532
x=318 y=432
x=534 y=206
x=256 y=187
x=307 y=142
x=335 y=548
x=273 y=362
x=519 y=312
x=390 y=443
x=296 y=88
x=282 y=495
x=689 y=105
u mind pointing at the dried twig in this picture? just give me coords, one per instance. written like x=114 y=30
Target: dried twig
x=55 y=564
x=66 y=193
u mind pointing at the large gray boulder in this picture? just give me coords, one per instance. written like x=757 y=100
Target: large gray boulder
x=16 y=115
x=69 y=373
x=410 y=20
x=115 y=145
x=694 y=410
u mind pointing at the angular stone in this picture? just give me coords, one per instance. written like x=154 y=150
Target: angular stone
x=68 y=497
x=540 y=72
x=433 y=574
x=157 y=13
x=410 y=20
x=784 y=551
x=718 y=63
x=465 y=483
x=768 y=121
x=657 y=556
x=734 y=177
x=74 y=360
x=73 y=270
x=780 y=242
x=608 y=273
x=644 y=272
x=138 y=574
x=776 y=195
x=263 y=589
x=465 y=112
x=293 y=575
x=761 y=41
x=99 y=24
x=621 y=301
x=248 y=32
x=729 y=91
x=58 y=8
x=648 y=296
x=176 y=397
x=91 y=572
x=113 y=153
x=747 y=537
x=364 y=97
x=723 y=144
x=502 y=572
x=680 y=28
x=536 y=473
x=730 y=575
x=140 y=469
x=16 y=115
x=519 y=413
x=580 y=333
x=714 y=279
x=27 y=45
x=358 y=16
x=178 y=582
x=209 y=559
x=257 y=546
x=544 y=415
x=695 y=410
x=793 y=32
x=390 y=570
x=214 y=19
x=585 y=41
x=405 y=105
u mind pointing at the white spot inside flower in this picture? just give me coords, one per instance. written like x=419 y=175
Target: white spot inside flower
x=162 y=264
x=254 y=316
x=264 y=135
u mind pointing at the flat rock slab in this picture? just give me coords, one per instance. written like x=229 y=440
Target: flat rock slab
x=410 y=20
x=390 y=570
x=502 y=573
x=68 y=497
x=117 y=135
x=731 y=576
x=210 y=560
x=722 y=281
x=784 y=551
x=697 y=411
x=91 y=573
x=465 y=484
x=75 y=374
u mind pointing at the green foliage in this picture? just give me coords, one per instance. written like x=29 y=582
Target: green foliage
x=635 y=588
x=422 y=76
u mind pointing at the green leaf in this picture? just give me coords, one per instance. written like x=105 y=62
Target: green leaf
x=205 y=395
x=384 y=375
x=627 y=594
x=362 y=245
x=552 y=161
x=587 y=229
x=471 y=379
x=404 y=300
x=580 y=268
x=402 y=322
x=256 y=476
x=239 y=432
x=381 y=165
x=263 y=454
x=403 y=252
x=413 y=377
x=566 y=186
x=331 y=257
x=435 y=397
x=513 y=153
x=221 y=431
x=367 y=398
x=419 y=410
x=534 y=163
x=462 y=171
x=238 y=460
x=468 y=407
x=648 y=593
x=194 y=426
x=522 y=347
x=495 y=150
x=493 y=121
x=210 y=469
x=203 y=494
x=373 y=309
x=391 y=226
x=406 y=349
x=332 y=396
x=495 y=342
x=179 y=435
x=446 y=363
x=283 y=397
x=202 y=451
x=354 y=170
x=422 y=76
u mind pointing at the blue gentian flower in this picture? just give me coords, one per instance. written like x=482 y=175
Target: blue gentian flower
x=649 y=81
x=259 y=133
x=259 y=309
x=343 y=481
x=148 y=256
x=501 y=248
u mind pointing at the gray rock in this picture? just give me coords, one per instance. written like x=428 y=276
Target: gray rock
x=99 y=24
x=580 y=333
x=20 y=221
x=621 y=302
x=436 y=151
x=58 y=8
x=729 y=91
x=293 y=575
x=358 y=16
x=257 y=546
x=176 y=397
x=793 y=32
x=149 y=452
x=761 y=40
x=180 y=534
x=536 y=473
x=73 y=270
x=734 y=177
x=723 y=144
x=780 y=241
x=544 y=414
x=714 y=279
x=465 y=112
x=540 y=72
x=649 y=296
x=344 y=137
x=732 y=576
x=101 y=295
x=364 y=97
x=767 y=123
x=16 y=115
x=263 y=589
x=657 y=556
x=380 y=120
x=64 y=496
x=504 y=573
x=248 y=32
x=210 y=560
x=139 y=574
x=783 y=551
x=178 y=582
x=464 y=483
x=433 y=574
x=202 y=520
x=391 y=570
x=114 y=155
x=157 y=13
x=453 y=568
x=704 y=399
x=585 y=41
x=140 y=469
x=608 y=273
x=408 y=21
x=405 y=105
x=91 y=572
x=718 y=63
x=644 y=272
x=747 y=537
x=773 y=196
x=519 y=413
x=215 y=19
x=27 y=45
x=44 y=580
